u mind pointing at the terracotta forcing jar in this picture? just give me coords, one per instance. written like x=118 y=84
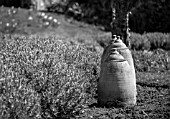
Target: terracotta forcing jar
x=126 y=53
x=117 y=82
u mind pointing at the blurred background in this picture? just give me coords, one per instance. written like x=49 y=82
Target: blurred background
x=147 y=15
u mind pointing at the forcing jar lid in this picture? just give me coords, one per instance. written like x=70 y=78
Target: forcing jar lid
x=119 y=44
x=115 y=56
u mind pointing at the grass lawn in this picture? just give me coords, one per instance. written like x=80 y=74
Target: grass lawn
x=51 y=71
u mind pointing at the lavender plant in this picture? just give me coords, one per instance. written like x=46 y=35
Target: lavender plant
x=45 y=78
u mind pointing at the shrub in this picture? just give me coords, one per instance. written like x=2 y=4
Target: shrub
x=167 y=44
x=139 y=42
x=151 y=61
x=157 y=40
x=147 y=41
x=150 y=41
x=45 y=77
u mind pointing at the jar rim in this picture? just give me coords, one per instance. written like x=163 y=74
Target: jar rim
x=120 y=60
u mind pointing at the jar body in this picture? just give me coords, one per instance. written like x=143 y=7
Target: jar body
x=116 y=85
x=126 y=53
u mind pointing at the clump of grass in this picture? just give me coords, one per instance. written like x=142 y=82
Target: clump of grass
x=152 y=61
x=139 y=42
x=157 y=40
x=147 y=41
x=150 y=41
x=45 y=77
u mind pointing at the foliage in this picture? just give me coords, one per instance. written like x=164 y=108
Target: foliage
x=146 y=57
x=151 y=61
x=151 y=16
x=21 y=21
x=146 y=41
x=45 y=78
x=145 y=13
x=57 y=78
x=158 y=40
x=139 y=42
x=16 y=3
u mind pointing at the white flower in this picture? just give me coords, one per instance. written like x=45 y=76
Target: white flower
x=50 y=18
x=9 y=12
x=43 y=14
x=46 y=23
x=14 y=11
x=30 y=18
x=7 y=24
x=15 y=24
x=55 y=20
x=45 y=17
x=82 y=111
